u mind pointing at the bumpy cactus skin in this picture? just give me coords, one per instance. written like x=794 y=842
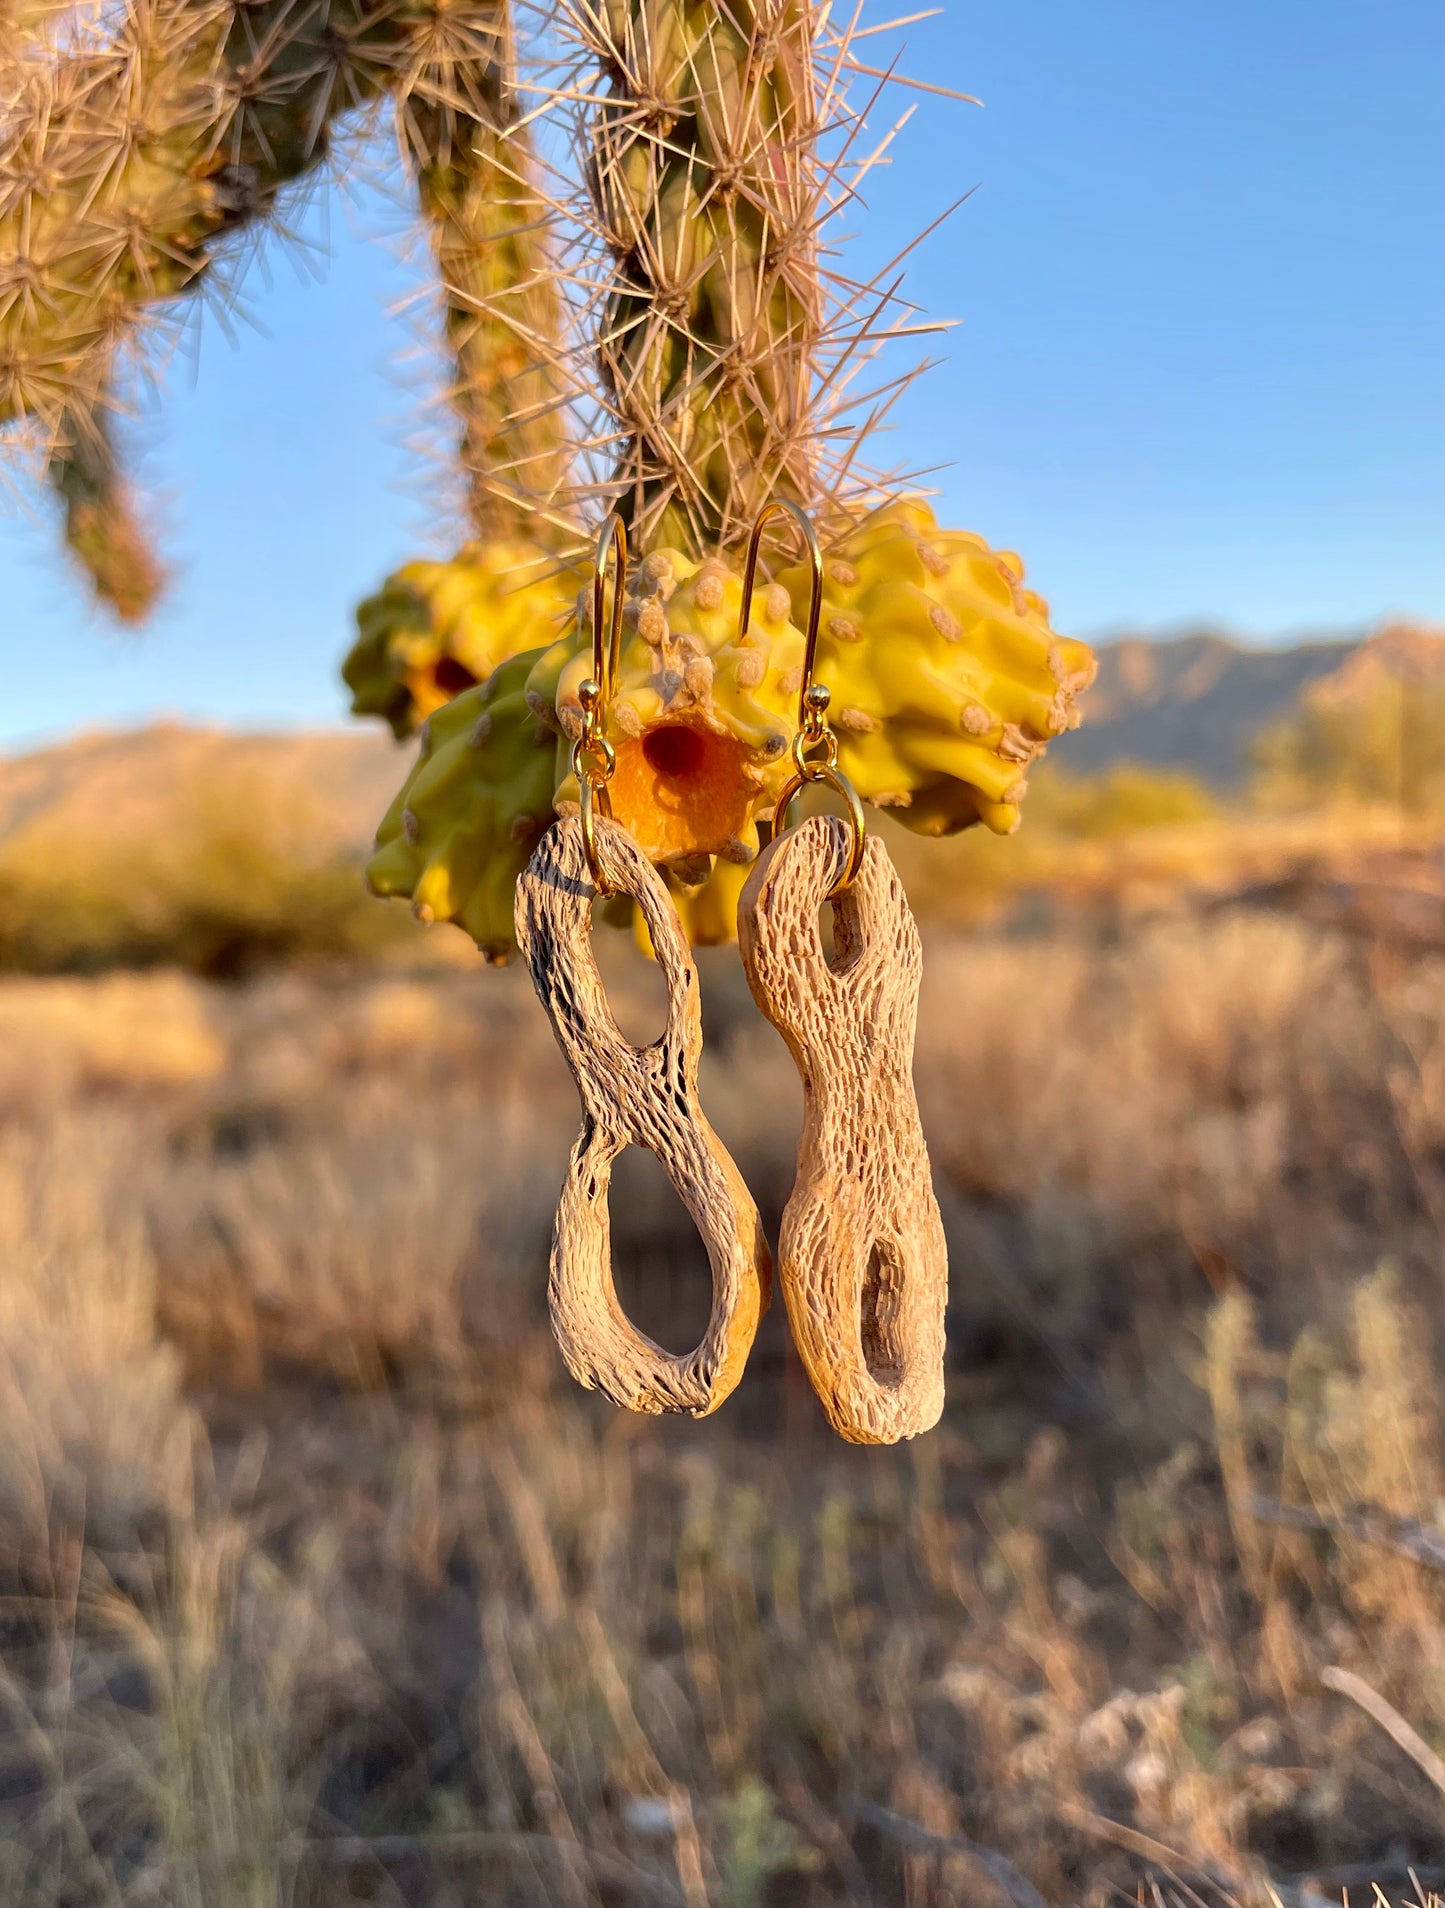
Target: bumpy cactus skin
x=501 y=304
x=703 y=182
x=700 y=721
x=947 y=680
x=472 y=810
x=436 y=629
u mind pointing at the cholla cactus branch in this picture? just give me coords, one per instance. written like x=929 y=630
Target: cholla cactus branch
x=477 y=183
x=714 y=144
x=703 y=178
x=102 y=527
x=132 y=146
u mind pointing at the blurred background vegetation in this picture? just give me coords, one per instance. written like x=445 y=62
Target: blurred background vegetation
x=319 y=1583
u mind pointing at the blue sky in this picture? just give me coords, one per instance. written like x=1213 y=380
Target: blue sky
x=1197 y=377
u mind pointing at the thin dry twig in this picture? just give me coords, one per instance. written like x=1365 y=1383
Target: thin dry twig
x=1135 y=1842
x=1390 y=1720
x=1407 y=1536
x=918 y=1840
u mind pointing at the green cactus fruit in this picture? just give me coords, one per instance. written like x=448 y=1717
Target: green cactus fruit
x=436 y=629
x=471 y=811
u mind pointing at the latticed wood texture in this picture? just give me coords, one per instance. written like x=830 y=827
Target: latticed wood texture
x=861 y=1256
x=643 y=1096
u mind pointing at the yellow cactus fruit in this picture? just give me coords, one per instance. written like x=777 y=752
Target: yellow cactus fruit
x=708 y=912
x=701 y=722
x=472 y=810
x=435 y=629
x=946 y=679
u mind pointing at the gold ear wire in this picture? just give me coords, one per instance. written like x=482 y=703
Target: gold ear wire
x=593 y=756
x=814 y=729
x=815 y=600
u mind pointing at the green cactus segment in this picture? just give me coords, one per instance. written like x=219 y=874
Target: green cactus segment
x=471 y=812
x=122 y=163
x=435 y=629
x=125 y=161
x=476 y=178
x=101 y=526
x=704 y=189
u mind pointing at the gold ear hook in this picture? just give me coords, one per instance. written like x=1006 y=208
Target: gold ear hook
x=593 y=756
x=815 y=599
x=813 y=697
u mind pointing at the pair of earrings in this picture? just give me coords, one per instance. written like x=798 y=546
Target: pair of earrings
x=862 y=1260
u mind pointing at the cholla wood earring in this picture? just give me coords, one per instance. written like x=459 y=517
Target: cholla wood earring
x=861 y=1254
x=645 y=1096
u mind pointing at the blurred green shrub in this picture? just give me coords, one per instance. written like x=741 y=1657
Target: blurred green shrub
x=243 y=878
x=1383 y=742
x=1118 y=802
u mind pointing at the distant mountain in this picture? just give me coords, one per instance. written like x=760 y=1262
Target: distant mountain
x=1398 y=652
x=1197 y=701
x=1193 y=702
x=124 y=784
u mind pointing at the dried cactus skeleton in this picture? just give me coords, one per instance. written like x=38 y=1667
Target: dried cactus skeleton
x=642 y=311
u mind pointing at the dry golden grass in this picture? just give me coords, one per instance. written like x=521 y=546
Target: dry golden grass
x=1084 y=848
x=320 y=1584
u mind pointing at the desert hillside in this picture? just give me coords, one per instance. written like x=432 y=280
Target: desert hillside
x=124 y=783
x=1198 y=702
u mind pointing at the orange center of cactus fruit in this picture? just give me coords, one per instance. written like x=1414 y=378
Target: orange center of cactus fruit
x=680 y=790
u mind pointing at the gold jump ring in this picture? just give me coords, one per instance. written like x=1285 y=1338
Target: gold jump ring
x=824 y=771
